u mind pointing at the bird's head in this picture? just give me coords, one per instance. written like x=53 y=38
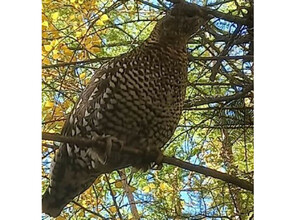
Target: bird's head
x=177 y=26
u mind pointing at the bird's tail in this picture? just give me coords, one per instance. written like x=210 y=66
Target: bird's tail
x=53 y=201
x=67 y=181
x=51 y=206
x=72 y=175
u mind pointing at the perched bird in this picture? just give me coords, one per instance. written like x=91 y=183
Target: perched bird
x=136 y=98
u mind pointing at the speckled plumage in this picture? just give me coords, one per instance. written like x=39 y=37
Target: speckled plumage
x=136 y=98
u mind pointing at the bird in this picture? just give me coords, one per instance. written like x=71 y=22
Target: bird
x=136 y=98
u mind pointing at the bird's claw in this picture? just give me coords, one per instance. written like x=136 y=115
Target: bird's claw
x=157 y=165
x=109 y=143
x=109 y=140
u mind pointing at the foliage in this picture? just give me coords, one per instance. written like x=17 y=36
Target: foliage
x=216 y=129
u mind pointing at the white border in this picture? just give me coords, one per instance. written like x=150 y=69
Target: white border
x=20 y=110
x=273 y=133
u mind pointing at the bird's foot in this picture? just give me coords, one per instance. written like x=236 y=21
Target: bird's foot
x=151 y=159
x=110 y=140
x=156 y=153
x=102 y=155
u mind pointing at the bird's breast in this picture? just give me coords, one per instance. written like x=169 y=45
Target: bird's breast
x=141 y=106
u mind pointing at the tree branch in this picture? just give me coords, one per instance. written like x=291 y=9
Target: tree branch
x=86 y=209
x=209 y=172
x=228 y=17
x=114 y=198
x=220 y=58
x=219 y=99
x=77 y=62
x=129 y=194
x=101 y=142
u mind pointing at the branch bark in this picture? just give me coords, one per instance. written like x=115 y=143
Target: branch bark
x=114 y=198
x=76 y=63
x=209 y=172
x=88 y=210
x=129 y=194
x=219 y=99
x=101 y=142
x=220 y=58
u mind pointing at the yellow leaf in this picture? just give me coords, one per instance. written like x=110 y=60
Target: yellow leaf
x=68 y=52
x=72 y=16
x=87 y=41
x=163 y=186
x=48 y=48
x=152 y=186
x=77 y=6
x=82 y=75
x=78 y=34
x=104 y=17
x=132 y=189
x=45 y=34
x=96 y=40
x=54 y=42
x=49 y=104
x=45 y=24
x=59 y=112
x=60 y=218
x=56 y=34
x=91 y=216
x=67 y=104
x=182 y=203
x=113 y=209
x=95 y=49
x=119 y=184
x=97 y=181
x=88 y=191
x=146 y=189
x=100 y=22
x=72 y=1
x=55 y=16
x=80 y=1
x=56 y=56
x=76 y=207
x=81 y=213
x=46 y=61
x=86 y=81
x=83 y=203
x=89 y=45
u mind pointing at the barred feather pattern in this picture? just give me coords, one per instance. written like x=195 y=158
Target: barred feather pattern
x=136 y=98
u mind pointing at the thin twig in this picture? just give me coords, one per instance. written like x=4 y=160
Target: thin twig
x=113 y=197
x=219 y=99
x=86 y=209
x=76 y=63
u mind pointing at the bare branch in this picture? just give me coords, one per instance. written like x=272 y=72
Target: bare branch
x=219 y=99
x=88 y=210
x=113 y=197
x=220 y=58
x=76 y=63
x=209 y=172
x=101 y=142
x=129 y=194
